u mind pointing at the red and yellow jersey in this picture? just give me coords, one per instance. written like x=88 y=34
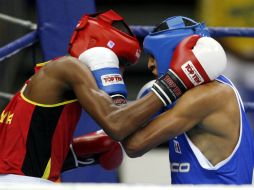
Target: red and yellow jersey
x=35 y=138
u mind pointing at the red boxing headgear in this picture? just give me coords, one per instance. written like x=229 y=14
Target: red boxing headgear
x=103 y=30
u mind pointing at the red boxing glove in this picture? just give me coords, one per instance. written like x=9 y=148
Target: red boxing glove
x=97 y=147
x=196 y=60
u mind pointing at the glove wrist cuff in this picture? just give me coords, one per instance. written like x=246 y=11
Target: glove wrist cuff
x=169 y=87
x=118 y=99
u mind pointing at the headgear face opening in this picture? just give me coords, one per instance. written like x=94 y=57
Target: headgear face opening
x=162 y=41
x=105 y=30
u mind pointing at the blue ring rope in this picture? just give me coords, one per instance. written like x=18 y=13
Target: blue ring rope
x=140 y=31
x=248 y=106
x=17 y=45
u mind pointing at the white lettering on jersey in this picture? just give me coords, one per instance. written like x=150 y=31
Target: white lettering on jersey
x=183 y=167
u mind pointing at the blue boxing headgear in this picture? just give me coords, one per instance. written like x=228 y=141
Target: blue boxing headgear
x=162 y=41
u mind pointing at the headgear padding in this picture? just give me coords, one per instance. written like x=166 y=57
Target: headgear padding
x=162 y=41
x=100 y=30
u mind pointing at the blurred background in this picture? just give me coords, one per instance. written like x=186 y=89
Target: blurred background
x=154 y=166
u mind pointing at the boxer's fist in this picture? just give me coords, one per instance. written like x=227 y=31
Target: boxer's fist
x=104 y=65
x=97 y=148
x=196 y=60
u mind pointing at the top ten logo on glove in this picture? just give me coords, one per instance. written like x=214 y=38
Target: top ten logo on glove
x=111 y=79
x=191 y=72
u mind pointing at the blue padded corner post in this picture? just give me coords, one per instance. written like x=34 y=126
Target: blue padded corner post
x=56 y=22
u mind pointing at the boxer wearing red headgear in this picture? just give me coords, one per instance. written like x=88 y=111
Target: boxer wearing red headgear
x=37 y=125
x=114 y=44
x=105 y=30
x=106 y=34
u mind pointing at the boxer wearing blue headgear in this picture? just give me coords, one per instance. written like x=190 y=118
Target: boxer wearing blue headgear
x=162 y=41
x=210 y=140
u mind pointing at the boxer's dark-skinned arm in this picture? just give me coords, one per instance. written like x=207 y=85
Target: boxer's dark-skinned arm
x=212 y=105
x=117 y=122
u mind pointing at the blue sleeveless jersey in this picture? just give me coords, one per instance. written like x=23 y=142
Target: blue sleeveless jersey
x=190 y=166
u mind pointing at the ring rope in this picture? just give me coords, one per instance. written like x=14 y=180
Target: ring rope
x=142 y=31
x=248 y=106
x=25 y=23
x=231 y=31
x=17 y=45
x=139 y=31
x=6 y=95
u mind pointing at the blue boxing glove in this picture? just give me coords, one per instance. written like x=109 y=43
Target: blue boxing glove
x=104 y=65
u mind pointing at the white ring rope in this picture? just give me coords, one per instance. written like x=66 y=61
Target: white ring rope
x=5 y=95
x=25 y=23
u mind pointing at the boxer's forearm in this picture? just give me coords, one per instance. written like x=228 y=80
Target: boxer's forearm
x=117 y=122
x=120 y=122
x=129 y=118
